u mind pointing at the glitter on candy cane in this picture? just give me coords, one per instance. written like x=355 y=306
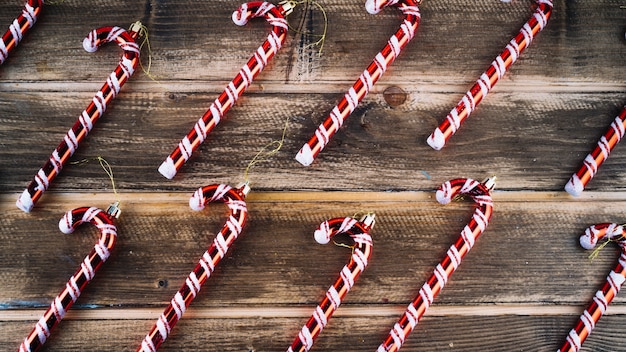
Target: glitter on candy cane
x=238 y=213
x=368 y=78
x=25 y=21
x=88 y=268
x=479 y=192
x=598 y=155
x=358 y=231
x=81 y=128
x=494 y=73
x=254 y=66
x=609 y=290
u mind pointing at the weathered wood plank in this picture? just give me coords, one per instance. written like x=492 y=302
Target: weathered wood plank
x=529 y=250
x=455 y=42
x=531 y=141
x=536 y=333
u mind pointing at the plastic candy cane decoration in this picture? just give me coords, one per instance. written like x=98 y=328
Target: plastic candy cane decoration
x=88 y=268
x=19 y=27
x=479 y=192
x=358 y=231
x=493 y=74
x=234 y=199
x=609 y=290
x=600 y=153
x=92 y=113
x=368 y=78
x=276 y=17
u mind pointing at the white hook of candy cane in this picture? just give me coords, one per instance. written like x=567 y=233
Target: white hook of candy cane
x=238 y=213
x=359 y=232
x=87 y=271
x=212 y=117
x=605 y=295
x=480 y=194
x=96 y=108
x=494 y=73
x=368 y=78
x=18 y=28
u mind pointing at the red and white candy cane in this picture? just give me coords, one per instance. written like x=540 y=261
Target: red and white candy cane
x=88 y=268
x=276 y=17
x=238 y=213
x=598 y=155
x=358 y=231
x=25 y=21
x=479 y=192
x=89 y=116
x=368 y=78
x=494 y=73
x=609 y=290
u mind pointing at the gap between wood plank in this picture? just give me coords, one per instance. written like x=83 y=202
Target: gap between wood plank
x=7 y=200
x=282 y=312
x=330 y=87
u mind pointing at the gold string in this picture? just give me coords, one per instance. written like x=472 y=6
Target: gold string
x=262 y=155
x=322 y=39
x=143 y=32
x=338 y=244
x=105 y=166
x=601 y=246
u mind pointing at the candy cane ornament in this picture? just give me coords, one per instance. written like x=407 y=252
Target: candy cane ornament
x=238 y=213
x=92 y=113
x=598 y=155
x=359 y=232
x=494 y=73
x=198 y=134
x=479 y=192
x=88 y=268
x=609 y=290
x=368 y=78
x=18 y=28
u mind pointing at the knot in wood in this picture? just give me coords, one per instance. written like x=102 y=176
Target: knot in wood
x=394 y=96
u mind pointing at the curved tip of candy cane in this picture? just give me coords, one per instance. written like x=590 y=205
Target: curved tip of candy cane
x=65 y=224
x=587 y=241
x=321 y=236
x=196 y=202
x=305 y=155
x=436 y=140
x=574 y=186
x=238 y=18
x=89 y=44
x=167 y=168
x=443 y=197
x=25 y=202
x=370 y=6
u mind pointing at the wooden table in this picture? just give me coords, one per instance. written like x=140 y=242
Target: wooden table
x=521 y=288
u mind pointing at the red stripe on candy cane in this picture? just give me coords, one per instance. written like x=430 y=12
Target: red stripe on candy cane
x=358 y=231
x=91 y=114
x=609 y=290
x=479 y=192
x=494 y=73
x=86 y=272
x=368 y=78
x=191 y=142
x=577 y=183
x=25 y=21
x=238 y=213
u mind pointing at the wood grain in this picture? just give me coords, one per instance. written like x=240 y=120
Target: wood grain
x=522 y=286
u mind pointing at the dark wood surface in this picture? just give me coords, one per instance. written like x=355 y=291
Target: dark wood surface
x=521 y=288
